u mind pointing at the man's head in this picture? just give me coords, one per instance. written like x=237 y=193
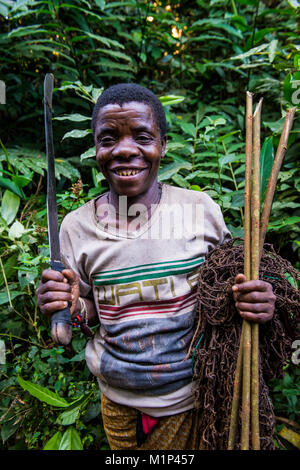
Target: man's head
x=129 y=128
x=127 y=92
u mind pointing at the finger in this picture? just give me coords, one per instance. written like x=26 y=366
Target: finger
x=255 y=297
x=256 y=317
x=52 y=275
x=53 y=286
x=239 y=278
x=50 y=297
x=70 y=275
x=253 y=308
x=249 y=286
x=52 y=307
x=56 y=286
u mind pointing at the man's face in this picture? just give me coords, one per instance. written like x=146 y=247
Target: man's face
x=128 y=147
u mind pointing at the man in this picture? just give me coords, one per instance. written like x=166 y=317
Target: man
x=133 y=268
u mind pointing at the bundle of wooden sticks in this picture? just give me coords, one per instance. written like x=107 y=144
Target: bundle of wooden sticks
x=246 y=380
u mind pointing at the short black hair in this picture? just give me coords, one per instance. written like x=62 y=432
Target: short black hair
x=127 y=92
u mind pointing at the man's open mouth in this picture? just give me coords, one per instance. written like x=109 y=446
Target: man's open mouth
x=128 y=171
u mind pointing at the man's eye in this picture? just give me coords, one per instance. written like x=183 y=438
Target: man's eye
x=143 y=138
x=107 y=140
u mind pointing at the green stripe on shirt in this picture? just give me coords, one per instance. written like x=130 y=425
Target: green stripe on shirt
x=160 y=267
x=142 y=277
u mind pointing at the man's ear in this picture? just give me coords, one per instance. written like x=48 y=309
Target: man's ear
x=163 y=146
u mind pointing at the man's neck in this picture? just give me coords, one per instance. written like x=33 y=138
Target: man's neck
x=147 y=199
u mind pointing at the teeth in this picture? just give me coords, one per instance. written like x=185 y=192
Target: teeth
x=127 y=172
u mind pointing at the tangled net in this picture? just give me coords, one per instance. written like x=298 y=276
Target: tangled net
x=218 y=330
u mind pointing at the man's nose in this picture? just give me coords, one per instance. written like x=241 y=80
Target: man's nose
x=125 y=148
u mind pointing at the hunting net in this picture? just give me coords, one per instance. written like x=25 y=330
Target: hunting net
x=215 y=345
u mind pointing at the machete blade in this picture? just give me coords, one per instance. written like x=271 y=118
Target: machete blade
x=53 y=233
x=61 y=324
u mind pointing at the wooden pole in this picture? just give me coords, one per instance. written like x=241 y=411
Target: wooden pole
x=252 y=256
x=238 y=378
x=246 y=344
x=237 y=386
x=255 y=238
x=248 y=170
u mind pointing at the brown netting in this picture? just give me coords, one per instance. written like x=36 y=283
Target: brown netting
x=215 y=345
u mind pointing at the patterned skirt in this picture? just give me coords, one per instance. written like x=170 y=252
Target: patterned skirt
x=175 y=432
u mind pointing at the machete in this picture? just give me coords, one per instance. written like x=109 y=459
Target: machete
x=61 y=324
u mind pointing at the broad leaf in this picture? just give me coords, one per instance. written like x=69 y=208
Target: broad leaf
x=16 y=230
x=9 y=206
x=43 y=394
x=54 y=442
x=70 y=440
x=77 y=134
x=169 y=100
x=7 y=183
x=69 y=416
x=76 y=117
x=169 y=170
x=4 y=299
x=266 y=163
x=91 y=152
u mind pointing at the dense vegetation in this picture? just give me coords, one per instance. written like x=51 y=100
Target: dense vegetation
x=200 y=58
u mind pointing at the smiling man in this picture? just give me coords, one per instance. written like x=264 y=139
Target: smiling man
x=141 y=289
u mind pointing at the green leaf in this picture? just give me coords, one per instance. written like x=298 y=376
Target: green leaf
x=100 y=3
x=73 y=117
x=27 y=277
x=217 y=23
x=9 y=206
x=4 y=299
x=284 y=223
x=91 y=152
x=77 y=134
x=188 y=128
x=9 y=268
x=69 y=416
x=26 y=31
x=70 y=440
x=294 y=3
x=272 y=50
x=7 y=183
x=195 y=187
x=54 y=442
x=8 y=428
x=207 y=174
x=169 y=100
x=64 y=168
x=43 y=394
x=254 y=50
x=228 y=158
x=169 y=170
x=180 y=181
x=266 y=163
x=238 y=199
x=16 y=230
x=22 y=181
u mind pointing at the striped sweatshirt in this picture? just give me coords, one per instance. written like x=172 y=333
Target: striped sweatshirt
x=143 y=281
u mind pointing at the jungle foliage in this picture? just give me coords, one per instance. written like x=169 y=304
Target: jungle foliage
x=199 y=58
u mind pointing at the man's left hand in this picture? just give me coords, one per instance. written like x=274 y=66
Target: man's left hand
x=254 y=300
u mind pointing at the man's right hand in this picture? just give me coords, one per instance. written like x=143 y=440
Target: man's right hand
x=56 y=290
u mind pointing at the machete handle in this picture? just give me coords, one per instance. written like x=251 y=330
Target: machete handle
x=61 y=323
